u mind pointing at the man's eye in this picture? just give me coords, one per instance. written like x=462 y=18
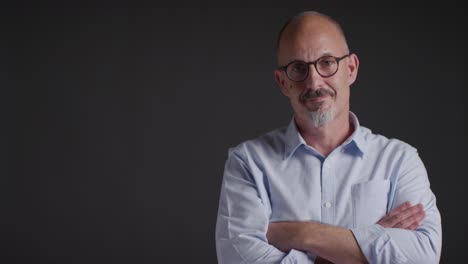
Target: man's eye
x=299 y=67
x=327 y=62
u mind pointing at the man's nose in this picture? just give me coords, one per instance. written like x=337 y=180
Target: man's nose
x=313 y=77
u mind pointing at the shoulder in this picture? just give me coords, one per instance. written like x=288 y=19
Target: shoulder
x=269 y=143
x=381 y=142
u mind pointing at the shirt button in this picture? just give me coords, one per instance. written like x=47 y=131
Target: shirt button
x=327 y=204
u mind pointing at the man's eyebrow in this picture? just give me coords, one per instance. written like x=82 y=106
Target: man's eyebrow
x=326 y=54
x=321 y=55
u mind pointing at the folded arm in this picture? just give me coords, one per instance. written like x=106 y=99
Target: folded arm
x=335 y=244
x=383 y=244
x=329 y=242
x=243 y=218
x=408 y=234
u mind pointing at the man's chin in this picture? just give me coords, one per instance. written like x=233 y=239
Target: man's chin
x=320 y=118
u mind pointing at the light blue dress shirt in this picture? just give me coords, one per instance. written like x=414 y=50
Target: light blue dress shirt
x=278 y=177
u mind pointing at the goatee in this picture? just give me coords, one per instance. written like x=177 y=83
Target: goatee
x=320 y=118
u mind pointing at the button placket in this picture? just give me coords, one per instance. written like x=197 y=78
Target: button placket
x=328 y=191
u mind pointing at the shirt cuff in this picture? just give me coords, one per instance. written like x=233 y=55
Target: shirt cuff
x=297 y=257
x=373 y=240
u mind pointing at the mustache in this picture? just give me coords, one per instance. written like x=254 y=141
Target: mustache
x=311 y=94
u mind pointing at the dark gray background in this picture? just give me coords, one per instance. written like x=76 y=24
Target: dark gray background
x=118 y=120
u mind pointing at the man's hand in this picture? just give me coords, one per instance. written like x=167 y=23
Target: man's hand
x=404 y=216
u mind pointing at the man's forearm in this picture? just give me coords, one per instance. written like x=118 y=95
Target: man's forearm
x=333 y=243
x=339 y=244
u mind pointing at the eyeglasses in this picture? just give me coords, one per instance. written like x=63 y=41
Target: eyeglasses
x=326 y=66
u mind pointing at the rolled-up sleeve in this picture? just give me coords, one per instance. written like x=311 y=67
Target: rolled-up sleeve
x=243 y=218
x=393 y=245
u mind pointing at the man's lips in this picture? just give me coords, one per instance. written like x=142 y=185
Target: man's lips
x=317 y=95
x=317 y=98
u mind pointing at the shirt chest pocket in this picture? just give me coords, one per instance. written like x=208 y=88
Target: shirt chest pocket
x=369 y=201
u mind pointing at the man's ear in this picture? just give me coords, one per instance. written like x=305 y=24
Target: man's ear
x=279 y=77
x=353 y=67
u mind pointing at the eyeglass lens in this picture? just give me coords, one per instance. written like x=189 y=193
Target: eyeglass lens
x=299 y=70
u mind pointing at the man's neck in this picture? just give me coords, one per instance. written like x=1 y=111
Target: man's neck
x=327 y=137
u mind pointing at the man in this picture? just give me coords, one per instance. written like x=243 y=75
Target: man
x=324 y=189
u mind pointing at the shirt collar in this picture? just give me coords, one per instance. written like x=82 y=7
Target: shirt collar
x=294 y=139
x=357 y=137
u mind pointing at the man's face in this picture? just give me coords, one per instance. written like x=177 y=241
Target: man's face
x=322 y=98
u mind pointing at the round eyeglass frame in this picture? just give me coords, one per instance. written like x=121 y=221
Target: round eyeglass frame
x=338 y=59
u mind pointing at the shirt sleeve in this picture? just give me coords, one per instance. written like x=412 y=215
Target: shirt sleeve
x=393 y=245
x=243 y=219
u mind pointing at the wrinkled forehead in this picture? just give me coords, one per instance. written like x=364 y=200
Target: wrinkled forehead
x=311 y=38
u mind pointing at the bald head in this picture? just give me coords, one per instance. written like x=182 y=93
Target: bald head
x=311 y=25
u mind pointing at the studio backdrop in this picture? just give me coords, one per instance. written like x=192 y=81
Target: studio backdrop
x=119 y=119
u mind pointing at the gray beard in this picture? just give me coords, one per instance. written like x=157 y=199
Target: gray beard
x=320 y=118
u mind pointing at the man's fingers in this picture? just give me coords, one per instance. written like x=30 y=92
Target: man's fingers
x=396 y=215
x=415 y=218
x=408 y=212
x=402 y=207
x=390 y=219
x=413 y=226
x=405 y=216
